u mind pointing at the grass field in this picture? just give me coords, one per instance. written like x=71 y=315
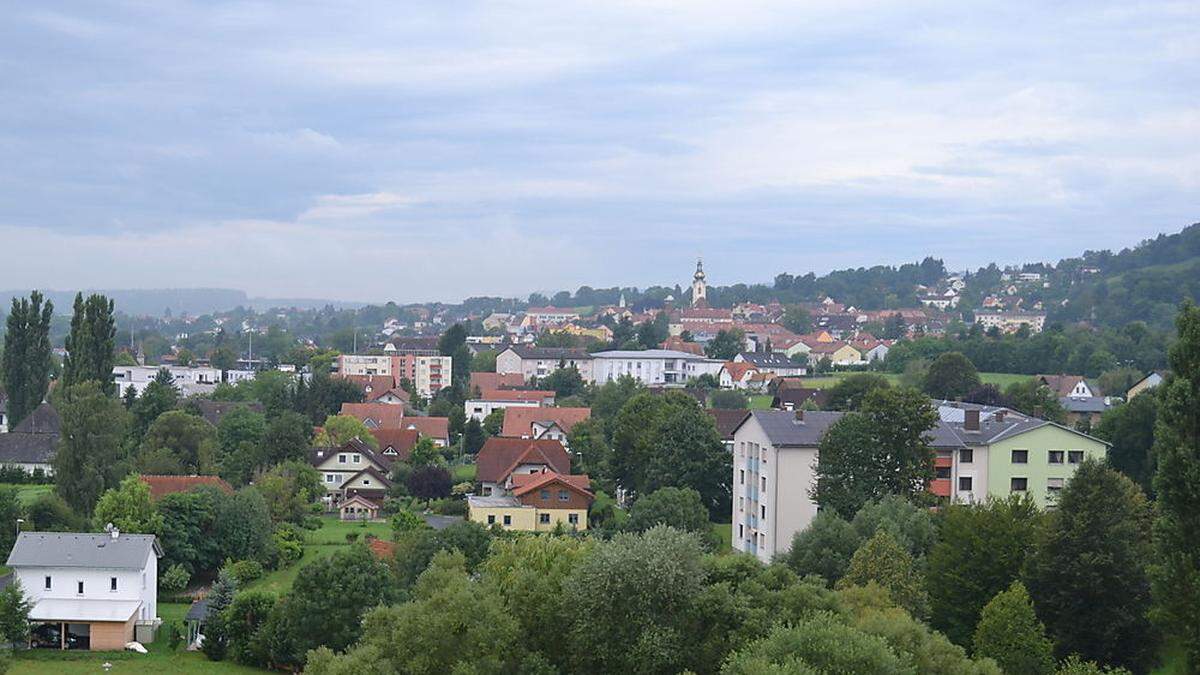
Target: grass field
x=463 y=473
x=725 y=532
x=319 y=544
x=28 y=493
x=1001 y=380
x=760 y=401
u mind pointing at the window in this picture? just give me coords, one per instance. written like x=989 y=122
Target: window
x=1020 y=456
x=47 y=583
x=764 y=482
x=112 y=583
x=573 y=518
x=487 y=491
x=507 y=519
x=563 y=496
x=328 y=478
x=79 y=587
x=741 y=476
x=1075 y=456
x=964 y=483
x=1056 y=456
x=1053 y=487
x=942 y=472
x=491 y=520
x=544 y=518
x=544 y=495
x=966 y=455
x=341 y=459
x=741 y=531
x=764 y=510
x=357 y=459
x=1019 y=484
x=741 y=503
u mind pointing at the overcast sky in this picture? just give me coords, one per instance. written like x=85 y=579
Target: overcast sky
x=434 y=150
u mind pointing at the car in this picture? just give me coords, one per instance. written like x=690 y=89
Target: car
x=49 y=636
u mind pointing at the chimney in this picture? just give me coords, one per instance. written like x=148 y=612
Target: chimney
x=799 y=413
x=999 y=415
x=971 y=420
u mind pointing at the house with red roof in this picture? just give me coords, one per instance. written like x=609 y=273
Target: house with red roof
x=538 y=501
x=375 y=415
x=736 y=375
x=501 y=457
x=542 y=423
x=436 y=428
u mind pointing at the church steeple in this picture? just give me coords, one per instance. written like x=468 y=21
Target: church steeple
x=699 y=286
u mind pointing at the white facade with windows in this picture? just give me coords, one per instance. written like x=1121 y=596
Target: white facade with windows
x=653 y=366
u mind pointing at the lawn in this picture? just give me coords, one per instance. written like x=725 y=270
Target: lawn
x=725 y=532
x=1001 y=380
x=761 y=401
x=160 y=659
x=28 y=493
x=463 y=473
x=319 y=544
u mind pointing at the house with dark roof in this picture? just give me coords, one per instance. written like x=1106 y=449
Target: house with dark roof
x=727 y=419
x=87 y=590
x=772 y=362
x=32 y=443
x=529 y=361
x=353 y=468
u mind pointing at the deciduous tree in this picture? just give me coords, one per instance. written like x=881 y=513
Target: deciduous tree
x=26 y=358
x=89 y=457
x=90 y=343
x=129 y=508
x=882 y=561
x=1010 y=633
x=951 y=375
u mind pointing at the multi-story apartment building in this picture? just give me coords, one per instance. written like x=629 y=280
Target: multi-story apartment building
x=1011 y=322
x=428 y=373
x=188 y=380
x=981 y=452
x=652 y=366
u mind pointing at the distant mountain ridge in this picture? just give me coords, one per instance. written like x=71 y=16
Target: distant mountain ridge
x=192 y=301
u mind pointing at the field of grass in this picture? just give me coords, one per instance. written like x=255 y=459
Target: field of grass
x=28 y=493
x=1001 y=380
x=725 y=532
x=760 y=401
x=463 y=473
x=161 y=658
x=319 y=544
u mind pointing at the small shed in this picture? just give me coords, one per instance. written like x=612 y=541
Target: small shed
x=194 y=619
x=359 y=507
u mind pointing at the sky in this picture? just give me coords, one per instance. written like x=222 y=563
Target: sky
x=371 y=151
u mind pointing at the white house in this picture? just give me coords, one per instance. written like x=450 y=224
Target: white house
x=653 y=366
x=96 y=591
x=188 y=380
x=480 y=408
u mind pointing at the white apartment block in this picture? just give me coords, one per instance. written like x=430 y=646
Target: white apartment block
x=189 y=380
x=653 y=366
x=532 y=361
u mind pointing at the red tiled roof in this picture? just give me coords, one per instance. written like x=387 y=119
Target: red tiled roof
x=400 y=440
x=161 y=486
x=727 y=420
x=382 y=415
x=518 y=422
x=437 y=428
x=499 y=456
x=524 y=483
x=516 y=395
x=380 y=393
x=738 y=370
x=485 y=381
x=370 y=384
x=677 y=344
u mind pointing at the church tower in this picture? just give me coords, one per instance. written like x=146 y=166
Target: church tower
x=699 y=286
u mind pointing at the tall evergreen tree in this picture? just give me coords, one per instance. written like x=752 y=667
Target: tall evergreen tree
x=1088 y=570
x=1177 y=483
x=90 y=344
x=26 y=361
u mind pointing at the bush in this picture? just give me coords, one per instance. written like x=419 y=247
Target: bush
x=351 y=537
x=449 y=507
x=175 y=578
x=404 y=521
x=174 y=636
x=245 y=571
x=289 y=544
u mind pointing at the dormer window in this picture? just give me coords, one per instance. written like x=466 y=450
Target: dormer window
x=341 y=459
x=357 y=459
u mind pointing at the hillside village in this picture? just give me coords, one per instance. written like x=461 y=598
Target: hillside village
x=216 y=459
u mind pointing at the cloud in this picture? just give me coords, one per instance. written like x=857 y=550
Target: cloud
x=453 y=149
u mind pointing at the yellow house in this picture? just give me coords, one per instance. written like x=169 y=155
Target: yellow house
x=538 y=503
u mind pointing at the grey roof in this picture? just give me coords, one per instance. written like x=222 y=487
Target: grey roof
x=82 y=549
x=768 y=360
x=1082 y=404
x=25 y=448
x=498 y=501
x=198 y=611
x=784 y=430
x=43 y=420
x=546 y=353
x=214 y=411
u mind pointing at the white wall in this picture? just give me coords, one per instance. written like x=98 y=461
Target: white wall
x=131 y=584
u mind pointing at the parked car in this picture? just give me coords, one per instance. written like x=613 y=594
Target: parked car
x=49 y=635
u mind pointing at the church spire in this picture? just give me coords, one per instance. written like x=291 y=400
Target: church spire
x=699 y=286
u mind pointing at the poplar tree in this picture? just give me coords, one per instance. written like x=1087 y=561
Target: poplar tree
x=91 y=342
x=1176 y=577
x=26 y=361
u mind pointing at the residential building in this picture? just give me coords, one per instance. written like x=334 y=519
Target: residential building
x=428 y=373
x=839 y=353
x=1150 y=381
x=483 y=381
x=32 y=444
x=501 y=399
x=545 y=315
x=188 y=380
x=530 y=361
x=775 y=453
x=1011 y=322
x=736 y=375
x=772 y=362
x=652 y=366
x=375 y=415
x=435 y=428
x=542 y=423
x=727 y=420
x=98 y=591
x=1083 y=400
x=539 y=502
x=354 y=468
x=396 y=444
x=500 y=458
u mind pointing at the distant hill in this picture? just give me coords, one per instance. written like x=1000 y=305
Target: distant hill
x=192 y=301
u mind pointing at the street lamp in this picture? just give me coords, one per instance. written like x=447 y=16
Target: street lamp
x=19 y=521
